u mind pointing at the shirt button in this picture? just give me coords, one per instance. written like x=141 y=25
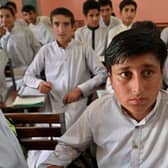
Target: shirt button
x=135 y=146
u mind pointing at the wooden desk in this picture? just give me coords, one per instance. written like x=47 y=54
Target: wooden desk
x=7 y=105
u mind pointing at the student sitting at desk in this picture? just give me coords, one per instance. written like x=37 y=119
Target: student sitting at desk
x=11 y=155
x=17 y=41
x=67 y=65
x=130 y=125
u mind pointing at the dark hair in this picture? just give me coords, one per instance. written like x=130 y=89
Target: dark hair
x=124 y=3
x=11 y=4
x=90 y=4
x=132 y=43
x=28 y=8
x=9 y=9
x=148 y=26
x=105 y=3
x=62 y=11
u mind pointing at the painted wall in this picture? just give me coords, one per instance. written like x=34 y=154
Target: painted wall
x=147 y=9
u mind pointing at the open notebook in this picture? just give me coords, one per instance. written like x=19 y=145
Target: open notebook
x=29 y=101
x=29 y=97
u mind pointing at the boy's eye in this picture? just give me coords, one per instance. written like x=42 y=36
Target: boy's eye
x=126 y=74
x=148 y=73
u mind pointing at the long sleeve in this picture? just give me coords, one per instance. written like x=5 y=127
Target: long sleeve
x=72 y=143
x=32 y=74
x=98 y=71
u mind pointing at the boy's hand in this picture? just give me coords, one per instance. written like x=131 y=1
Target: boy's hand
x=2 y=31
x=72 y=96
x=45 y=87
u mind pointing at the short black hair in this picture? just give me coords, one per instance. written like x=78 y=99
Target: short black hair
x=90 y=4
x=105 y=3
x=148 y=26
x=62 y=11
x=8 y=8
x=11 y=4
x=28 y=8
x=132 y=43
x=124 y=3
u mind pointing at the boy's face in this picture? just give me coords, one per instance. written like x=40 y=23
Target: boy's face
x=29 y=17
x=128 y=14
x=92 y=18
x=105 y=12
x=136 y=83
x=63 y=29
x=7 y=19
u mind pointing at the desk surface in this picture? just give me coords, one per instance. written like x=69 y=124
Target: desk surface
x=7 y=105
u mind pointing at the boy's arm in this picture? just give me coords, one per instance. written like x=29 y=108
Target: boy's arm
x=98 y=71
x=75 y=140
x=32 y=77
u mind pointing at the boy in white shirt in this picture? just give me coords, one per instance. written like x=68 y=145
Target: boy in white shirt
x=68 y=65
x=127 y=12
x=129 y=125
x=92 y=34
x=107 y=20
x=41 y=29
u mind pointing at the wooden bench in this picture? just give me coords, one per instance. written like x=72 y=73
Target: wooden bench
x=32 y=132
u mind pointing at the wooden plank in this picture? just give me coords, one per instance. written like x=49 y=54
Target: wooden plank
x=38 y=132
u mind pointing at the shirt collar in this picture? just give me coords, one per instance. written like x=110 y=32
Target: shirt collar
x=93 y=28
x=69 y=44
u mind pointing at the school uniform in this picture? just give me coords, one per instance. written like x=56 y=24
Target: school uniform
x=67 y=69
x=116 y=30
x=114 y=21
x=42 y=32
x=122 y=142
x=11 y=155
x=20 y=45
x=93 y=37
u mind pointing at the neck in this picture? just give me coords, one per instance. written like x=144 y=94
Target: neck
x=138 y=116
x=93 y=28
x=107 y=22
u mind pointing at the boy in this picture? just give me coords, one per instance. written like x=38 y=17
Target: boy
x=107 y=20
x=17 y=41
x=129 y=125
x=127 y=12
x=92 y=34
x=41 y=30
x=67 y=64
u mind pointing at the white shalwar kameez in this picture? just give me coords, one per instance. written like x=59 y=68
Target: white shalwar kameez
x=122 y=142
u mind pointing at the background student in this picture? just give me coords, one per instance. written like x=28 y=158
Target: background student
x=41 y=30
x=129 y=124
x=127 y=13
x=107 y=20
x=18 y=42
x=92 y=34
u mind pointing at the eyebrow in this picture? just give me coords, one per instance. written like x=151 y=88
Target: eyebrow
x=126 y=67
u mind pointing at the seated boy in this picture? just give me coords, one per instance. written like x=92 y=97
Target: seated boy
x=92 y=34
x=68 y=65
x=107 y=20
x=130 y=125
x=41 y=30
x=127 y=12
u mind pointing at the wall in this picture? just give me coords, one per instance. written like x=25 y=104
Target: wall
x=147 y=9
